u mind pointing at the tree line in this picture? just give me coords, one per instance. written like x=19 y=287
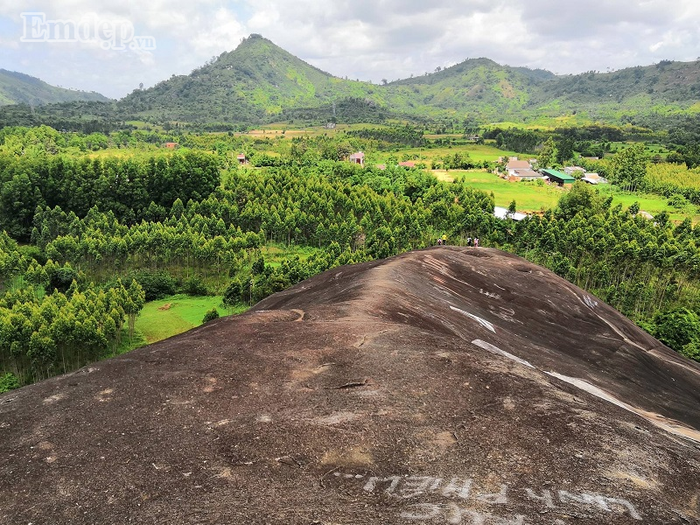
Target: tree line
x=132 y=188
x=50 y=324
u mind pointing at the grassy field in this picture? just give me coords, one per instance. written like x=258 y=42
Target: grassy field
x=532 y=197
x=290 y=131
x=653 y=204
x=537 y=121
x=171 y=316
x=651 y=148
x=274 y=254
x=478 y=152
x=177 y=314
x=528 y=196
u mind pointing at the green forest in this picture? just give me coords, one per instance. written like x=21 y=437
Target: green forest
x=96 y=225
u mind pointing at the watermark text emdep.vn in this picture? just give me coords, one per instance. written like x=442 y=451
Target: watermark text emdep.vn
x=118 y=35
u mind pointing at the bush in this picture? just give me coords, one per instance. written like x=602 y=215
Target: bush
x=61 y=278
x=8 y=382
x=210 y=315
x=194 y=286
x=156 y=284
x=259 y=266
x=678 y=201
x=691 y=351
x=234 y=294
x=679 y=330
x=32 y=252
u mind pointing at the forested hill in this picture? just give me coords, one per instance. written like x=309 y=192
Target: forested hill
x=18 y=88
x=255 y=81
x=259 y=82
x=479 y=86
x=638 y=89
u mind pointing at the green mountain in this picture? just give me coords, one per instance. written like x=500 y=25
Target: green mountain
x=666 y=86
x=478 y=86
x=259 y=82
x=485 y=88
x=250 y=84
x=18 y=88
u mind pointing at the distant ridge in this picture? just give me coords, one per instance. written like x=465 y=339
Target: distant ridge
x=19 y=88
x=259 y=82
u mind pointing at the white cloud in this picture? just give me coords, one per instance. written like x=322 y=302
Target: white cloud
x=218 y=35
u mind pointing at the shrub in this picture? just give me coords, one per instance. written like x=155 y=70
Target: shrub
x=194 y=286
x=8 y=382
x=210 y=315
x=678 y=329
x=259 y=266
x=156 y=284
x=233 y=294
x=678 y=201
x=61 y=278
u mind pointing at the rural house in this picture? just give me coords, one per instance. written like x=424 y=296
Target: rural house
x=357 y=158
x=515 y=164
x=526 y=174
x=521 y=170
x=594 y=178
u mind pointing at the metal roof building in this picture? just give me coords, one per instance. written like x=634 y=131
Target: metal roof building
x=559 y=177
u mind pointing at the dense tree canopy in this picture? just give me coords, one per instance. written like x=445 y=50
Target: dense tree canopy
x=194 y=221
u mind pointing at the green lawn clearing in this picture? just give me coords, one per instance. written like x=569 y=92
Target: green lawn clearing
x=274 y=254
x=478 y=152
x=649 y=203
x=533 y=196
x=171 y=316
x=528 y=196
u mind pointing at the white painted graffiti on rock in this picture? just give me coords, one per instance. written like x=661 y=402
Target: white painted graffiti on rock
x=463 y=489
x=456 y=515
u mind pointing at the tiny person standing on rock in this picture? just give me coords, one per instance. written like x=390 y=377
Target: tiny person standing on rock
x=476 y=242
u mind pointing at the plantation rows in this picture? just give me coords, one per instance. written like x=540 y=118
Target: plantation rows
x=167 y=222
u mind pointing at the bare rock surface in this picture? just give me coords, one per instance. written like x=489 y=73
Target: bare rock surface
x=446 y=386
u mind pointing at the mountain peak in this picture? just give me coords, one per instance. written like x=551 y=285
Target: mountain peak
x=259 y=81
x=256 y=40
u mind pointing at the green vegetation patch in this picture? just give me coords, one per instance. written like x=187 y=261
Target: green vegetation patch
x=174 y=315
x=529 y=196
x=653 y=204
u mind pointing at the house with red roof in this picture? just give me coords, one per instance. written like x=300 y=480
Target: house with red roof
x=357 y=158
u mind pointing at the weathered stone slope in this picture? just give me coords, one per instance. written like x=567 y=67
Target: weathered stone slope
x=451 y=385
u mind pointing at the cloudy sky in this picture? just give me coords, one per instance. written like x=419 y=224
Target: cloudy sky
x=360 y=39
